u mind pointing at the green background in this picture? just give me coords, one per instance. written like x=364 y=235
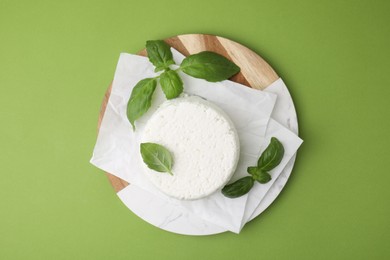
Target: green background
x=57 y=59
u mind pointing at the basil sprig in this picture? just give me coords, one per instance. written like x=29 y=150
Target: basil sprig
x=269 y=159
x=205 y=65
x=157 y=157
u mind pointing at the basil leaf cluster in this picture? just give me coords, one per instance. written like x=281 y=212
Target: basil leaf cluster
x=269 y=159
x=204 y=65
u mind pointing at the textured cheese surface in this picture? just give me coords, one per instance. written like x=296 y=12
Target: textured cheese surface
x=203 y=142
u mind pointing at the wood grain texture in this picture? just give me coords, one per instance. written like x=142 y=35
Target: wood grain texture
x=255 y=71
x=117 y=183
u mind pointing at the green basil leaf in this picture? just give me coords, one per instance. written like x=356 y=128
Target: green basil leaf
x=238 y=188
x=171 y=84
x=159 y=53
x=140 y=99
x=252 y=170
x=157 y=157
x=262 y=177
x=259 y=175
x=209 y=66
x=272 y=155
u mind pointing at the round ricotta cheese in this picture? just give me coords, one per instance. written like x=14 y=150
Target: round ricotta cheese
x=203 y=142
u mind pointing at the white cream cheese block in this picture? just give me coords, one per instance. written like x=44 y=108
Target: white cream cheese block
x=203 y=142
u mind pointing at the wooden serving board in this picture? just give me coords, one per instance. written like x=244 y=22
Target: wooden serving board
x=255 y=71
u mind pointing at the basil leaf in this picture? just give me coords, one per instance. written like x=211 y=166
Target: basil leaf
x=209 y=66
x=252 y=170
x=262 y=177
x=159 y=53
x=238 y=188
x=259 y=175
x=171 y=84
x=140 y=99
x=157 y=157
x=272 y=155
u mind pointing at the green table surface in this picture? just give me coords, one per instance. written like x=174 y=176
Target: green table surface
x=57 y=59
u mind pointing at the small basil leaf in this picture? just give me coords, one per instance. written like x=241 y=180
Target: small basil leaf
x=261 y=176
x=252 y=170
x=209 y=66
x=171 y=84
x=272 y=155
x=140 y=99
x=157 y=157
x=238 y=188
x=159 y=53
